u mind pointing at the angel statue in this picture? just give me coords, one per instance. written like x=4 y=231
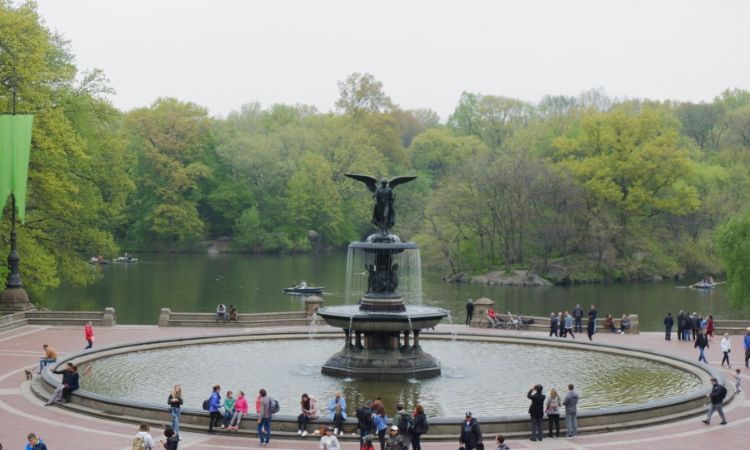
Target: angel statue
x=383 y=216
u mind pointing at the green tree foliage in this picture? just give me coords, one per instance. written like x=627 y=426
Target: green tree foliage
x=77 y=170
x=168 y=141
x=733 y=245
x=362 y=93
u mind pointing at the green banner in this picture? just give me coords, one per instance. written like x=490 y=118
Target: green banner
x=15 y=143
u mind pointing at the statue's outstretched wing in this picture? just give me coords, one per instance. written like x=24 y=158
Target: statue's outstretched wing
x=369 y=181
x=395 y=181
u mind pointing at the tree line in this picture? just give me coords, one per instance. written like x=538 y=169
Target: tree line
x=607 y=188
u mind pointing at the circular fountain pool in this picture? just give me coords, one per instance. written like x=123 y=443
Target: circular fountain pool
x=488 y=378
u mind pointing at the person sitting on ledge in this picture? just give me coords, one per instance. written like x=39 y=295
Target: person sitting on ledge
x=221 y=312
x=50 y=356
x=624 y=324
x=609 y=323
x=232 y=312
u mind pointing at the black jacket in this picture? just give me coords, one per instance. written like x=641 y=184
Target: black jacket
x=536 y=409
x=718 y=392
x=471 y=435
x=701 y=341
x=668 y=322
x=175 y=402
x=69 y=378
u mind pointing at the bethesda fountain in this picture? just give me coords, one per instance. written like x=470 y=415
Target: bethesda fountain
x=381 y=332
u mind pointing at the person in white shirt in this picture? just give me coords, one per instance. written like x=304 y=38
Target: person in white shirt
x=329 y=441
x=143 y=433
x=726 y=347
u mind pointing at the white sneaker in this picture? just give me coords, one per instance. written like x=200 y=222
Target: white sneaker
x=341 y=433
x=335 y=431
x=304 y=433
x=299 y=432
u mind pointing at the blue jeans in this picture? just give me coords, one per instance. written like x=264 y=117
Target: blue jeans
x=264 y=424
x=176 y=419
x=571 y=423
x=43 y=362
x=701 y=356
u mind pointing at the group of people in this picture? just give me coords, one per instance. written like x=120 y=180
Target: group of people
x=470 y=437
x=228 y=413
x=224 y=313
x=688 y=326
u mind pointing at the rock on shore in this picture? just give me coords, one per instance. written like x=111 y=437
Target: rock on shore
x=512 y=278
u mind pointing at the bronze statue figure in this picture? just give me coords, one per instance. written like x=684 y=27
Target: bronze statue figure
x=383 y=215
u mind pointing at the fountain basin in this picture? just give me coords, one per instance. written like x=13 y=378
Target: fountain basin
x=415 y=317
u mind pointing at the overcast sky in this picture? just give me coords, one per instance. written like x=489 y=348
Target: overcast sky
x=222 y=54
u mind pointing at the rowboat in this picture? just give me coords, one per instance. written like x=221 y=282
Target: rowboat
x=304 y=290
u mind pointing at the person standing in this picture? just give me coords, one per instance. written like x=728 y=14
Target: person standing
x=264 y=418
x=569 y=325
x=34 y=443
x=536 y=411
x=590 y=328
x=746 y=343
x=419 y=427
x=471 y=434
x=680 y=325
x=50 y=356
x=554 y=322
x=469 y=311
x=717 y=394
x=337 y=408
x=592 y=316
x=726 y=348
x=175 y=406
x=214 y=404
x=329 y=441
x=668 y=324
x=710 y=326
x=381 y=424
x=578 y=317
x=365 y=421
x=701 y=343
x=143 y=438
x=402 y=419
x=88 y=333
x=552 y=408
x=696 y=324
x=173 y=441
x=571 y=411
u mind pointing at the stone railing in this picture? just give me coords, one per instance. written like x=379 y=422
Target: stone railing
x=730 y=326
x=104 y=318
x=169 y=318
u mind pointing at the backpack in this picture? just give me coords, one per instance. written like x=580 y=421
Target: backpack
x=205 y=404
x=722 y=392
x=364 y=417
x=405 y=423
x=139 y=443
x=274 y=406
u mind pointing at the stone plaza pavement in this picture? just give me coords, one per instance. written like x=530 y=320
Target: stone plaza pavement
x=21 y=412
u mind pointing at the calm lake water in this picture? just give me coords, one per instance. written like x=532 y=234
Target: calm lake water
x=197 y=283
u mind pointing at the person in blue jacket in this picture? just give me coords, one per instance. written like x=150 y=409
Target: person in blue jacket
x=35 y=443
x=214 y=403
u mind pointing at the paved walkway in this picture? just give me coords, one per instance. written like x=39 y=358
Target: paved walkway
x=21 y=412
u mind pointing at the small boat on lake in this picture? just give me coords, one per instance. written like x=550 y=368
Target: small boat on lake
x=703 y=285
x=303 y=289
x=125 y=259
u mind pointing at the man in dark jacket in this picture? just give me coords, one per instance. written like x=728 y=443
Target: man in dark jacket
x=681 y=325
x=578 y=318
x=701 y=343
x=469 y=311
x=536 y=411
x=471 y=435
x=365 y=421
x=717 y=394
x=554 y=324
x=592 y=316
x=696 y=324
x=668 y=324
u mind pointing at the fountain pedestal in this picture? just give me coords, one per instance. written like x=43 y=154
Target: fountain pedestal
x=381 y=332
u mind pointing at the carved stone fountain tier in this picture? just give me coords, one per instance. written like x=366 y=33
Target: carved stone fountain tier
x=381 y=332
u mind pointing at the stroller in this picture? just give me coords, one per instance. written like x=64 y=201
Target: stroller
x=518 y=322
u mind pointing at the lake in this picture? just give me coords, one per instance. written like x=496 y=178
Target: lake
x=198 y=282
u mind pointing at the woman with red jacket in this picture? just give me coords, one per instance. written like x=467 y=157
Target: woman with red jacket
x=88 y=331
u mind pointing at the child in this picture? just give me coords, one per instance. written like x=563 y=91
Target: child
x=500 y=441
x=737 y=380
x=367 y=444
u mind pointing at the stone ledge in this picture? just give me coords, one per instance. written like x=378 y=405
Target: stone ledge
x=598 y=420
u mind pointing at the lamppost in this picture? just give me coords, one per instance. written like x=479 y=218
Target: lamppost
x=15 y=297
